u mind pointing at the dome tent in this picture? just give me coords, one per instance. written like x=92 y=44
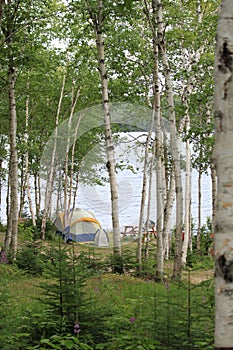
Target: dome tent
x=83 y=227
x=101 y=238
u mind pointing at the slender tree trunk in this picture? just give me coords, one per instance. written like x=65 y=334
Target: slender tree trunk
x=222 y=156
x=160 y=190
x=3 y=153
x=12 y=227
x=51 y=170
x=177 y=268
x=149 y=198
x=72 y=194
x=22 y=187
x=7 y=240
x=37 y=193
x=27 y=178
x=59 y=192
x=11 y=239
x=67 y=183
x=167 y=215
x=144 y=189
x=187 y=228
x=199 y=212
x=160 y=197
x=187 y=91
x=98 y=26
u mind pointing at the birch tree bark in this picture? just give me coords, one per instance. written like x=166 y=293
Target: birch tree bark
x=187 y=221
x=27 y=179
x=150 y=195
x=158 y=148
x=223 y=159
x=12 y=220
x=177 y=267
x=144 y=189
x=11 y=239
x=67 y=183
x=51 y=170
x=160 y=190
x=199 y=208
x=98 y=28
x=167 y=216
x=187 y=91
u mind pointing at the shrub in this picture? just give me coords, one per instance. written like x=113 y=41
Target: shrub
x=29 y=259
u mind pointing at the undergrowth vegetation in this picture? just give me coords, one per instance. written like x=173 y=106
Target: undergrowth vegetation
x=69 y=296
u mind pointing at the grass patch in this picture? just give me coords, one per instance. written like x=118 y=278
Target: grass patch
x=129 y=312
x=75 y=285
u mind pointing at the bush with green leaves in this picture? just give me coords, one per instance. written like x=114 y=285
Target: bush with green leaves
x=28 y=232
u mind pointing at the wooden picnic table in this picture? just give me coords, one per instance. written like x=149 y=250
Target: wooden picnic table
x=129 y=230
x=133 y=230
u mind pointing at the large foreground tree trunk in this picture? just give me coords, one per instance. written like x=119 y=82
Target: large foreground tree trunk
x=223 y=158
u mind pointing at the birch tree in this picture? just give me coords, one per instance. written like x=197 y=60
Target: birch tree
x=175 y=151
x=144 y=191
x=67 y=183
x=28 y=186
x=11 y=239
x=158 y=149
x=52 y=165
x=223 y=158
x=97 y=20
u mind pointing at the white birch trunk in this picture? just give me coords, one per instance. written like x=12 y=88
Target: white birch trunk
x=199 y=211
x=223 y=156
x=11 y=240
x=177 y=268
x=50 y=180
x=72 y=194
x=167 y=216
x=13 y=173
x=144 y=189
x=187 y=226
x=27 y=161
x=98 y=26
x=160 y=190
x=187 y=90
x=160 y=187
x=37 y=191
x=67 y=183
x=149 y=198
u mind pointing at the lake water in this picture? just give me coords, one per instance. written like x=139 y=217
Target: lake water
x=97 y=198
